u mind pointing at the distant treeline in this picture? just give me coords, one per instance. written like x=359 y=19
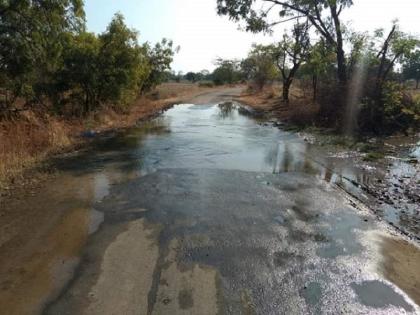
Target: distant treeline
x=358 y=79
x=49 y=61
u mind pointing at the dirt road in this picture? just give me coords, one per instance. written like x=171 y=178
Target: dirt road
x=203 y=210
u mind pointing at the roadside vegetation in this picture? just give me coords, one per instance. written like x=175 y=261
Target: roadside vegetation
x=360 y=83
x=58 y=81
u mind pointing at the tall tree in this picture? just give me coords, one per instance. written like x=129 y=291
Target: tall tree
x=32 y=40
x=324 y=15
x=160 y=59
x=259 y=66
x=227 y=71
x=411 y=67
x=122 y=62
x=291 y=52
x=319 y=64
x=396 y=46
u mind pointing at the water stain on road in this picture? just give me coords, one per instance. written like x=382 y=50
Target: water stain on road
x=379 y=295
x=401 y=265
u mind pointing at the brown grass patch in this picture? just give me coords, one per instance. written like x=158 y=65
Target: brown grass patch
x=300 y=109
x=25 y=141
x=30 y=138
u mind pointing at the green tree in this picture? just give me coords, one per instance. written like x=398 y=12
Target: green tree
x=123 y=64
x=205 y=74
x=324 y=15
x=160 y=58
x=385 y=105
x=32 y=37
x=396 y=46
x=227 y=71
x=319 y=63
x=259 y=66
x=411 y=67
x=79 y=81
x=290 y=53
x=191 y=76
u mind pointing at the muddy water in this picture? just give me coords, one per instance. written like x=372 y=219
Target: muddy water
x=219 y=210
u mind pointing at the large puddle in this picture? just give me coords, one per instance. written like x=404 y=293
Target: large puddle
x=43 y=235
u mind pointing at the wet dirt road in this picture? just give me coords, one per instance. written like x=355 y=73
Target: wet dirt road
x=203 y=210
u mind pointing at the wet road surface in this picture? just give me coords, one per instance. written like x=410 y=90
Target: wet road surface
x=203 y=210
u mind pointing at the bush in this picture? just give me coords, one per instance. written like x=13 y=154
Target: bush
x=206 y=84
x=396 y=110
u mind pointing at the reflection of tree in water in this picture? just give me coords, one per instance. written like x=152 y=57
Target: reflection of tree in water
x=121 y=150
x=271 y=156
x=287 y=159
x=226 y=109
x=280 y=157
x=328 y=172
x=308 y=167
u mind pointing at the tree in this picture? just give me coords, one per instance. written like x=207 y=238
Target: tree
x=191 y=76
x=123 y=63
x=259 y=66
x=324 y=15
x=411 y=67
x=47 y=58
x=205 y=74
x=79 y=81
x=227 y=71
x=290 y=53
x=396 y=47
x=32 y=37
x=160 y=58
x=319 y=63
x=385 y=105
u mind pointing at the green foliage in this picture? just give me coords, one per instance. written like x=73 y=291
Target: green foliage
x=160 y=58
x=47 y=58
x=259 y=66
x=396 y=110
x=227 y=72
x=32 y=37
x=191 y=76
x=122 y=63
x=79 y=80
x=203 y=75
x=411 y=67
x=323 y=15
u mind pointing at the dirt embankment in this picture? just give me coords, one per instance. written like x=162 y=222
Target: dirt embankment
x=300 y=110
x=29 y=139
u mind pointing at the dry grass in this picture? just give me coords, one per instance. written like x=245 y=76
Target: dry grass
x=26 y=141
x=300 y=109
x=415 y=93
x=265 y=100
x=29 y=139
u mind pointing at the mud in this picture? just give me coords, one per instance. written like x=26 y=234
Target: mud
x=401 y=264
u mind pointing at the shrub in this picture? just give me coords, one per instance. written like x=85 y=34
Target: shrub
x=206 y=84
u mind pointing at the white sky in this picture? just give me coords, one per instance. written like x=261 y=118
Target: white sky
x=203 y=35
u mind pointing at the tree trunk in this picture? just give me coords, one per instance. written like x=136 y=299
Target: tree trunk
x=314 y=86
x=286 y=88
x=341 y=59
x=417 y=83
x=87 y=103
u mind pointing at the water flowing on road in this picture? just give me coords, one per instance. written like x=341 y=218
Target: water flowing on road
x=205 y=209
